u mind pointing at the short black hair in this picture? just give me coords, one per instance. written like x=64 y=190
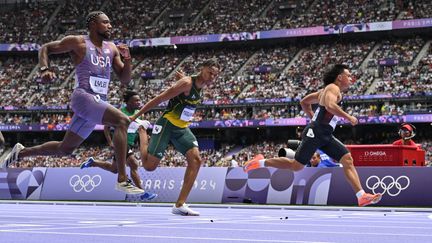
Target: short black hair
x=213 y=62
x=92 y=17
x=128 y=94
x=331 y=75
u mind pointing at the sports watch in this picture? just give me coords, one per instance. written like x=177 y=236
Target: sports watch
x=43 y=69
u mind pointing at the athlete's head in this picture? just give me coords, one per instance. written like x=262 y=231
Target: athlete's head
x=209 y=70
x=340 y=75
x=132 y=99
x=407 y=131
x=315 y=160
x=99 y=23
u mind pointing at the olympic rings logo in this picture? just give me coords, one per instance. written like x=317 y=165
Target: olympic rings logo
x=85 y=182
x=388 y=184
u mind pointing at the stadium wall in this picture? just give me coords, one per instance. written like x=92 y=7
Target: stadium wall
x=400 y=186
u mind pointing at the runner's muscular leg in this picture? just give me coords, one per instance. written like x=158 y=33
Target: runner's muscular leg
x=65 y=147
x=194 y=164
x=114 y=117
x=149 y=162
x=132 y=162
x=351 y=172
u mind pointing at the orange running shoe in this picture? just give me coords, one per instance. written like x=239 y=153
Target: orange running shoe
x=253 y=163
x=368 y=199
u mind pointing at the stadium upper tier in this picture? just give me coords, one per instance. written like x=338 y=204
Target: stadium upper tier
x=287 y=71
x=39 y=22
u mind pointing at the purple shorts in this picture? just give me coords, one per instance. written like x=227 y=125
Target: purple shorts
x=88 y=112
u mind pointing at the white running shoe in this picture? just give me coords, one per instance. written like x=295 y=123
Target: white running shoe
x=143 y=123
x=184 y=210
x=12 y=157
x=128 y=188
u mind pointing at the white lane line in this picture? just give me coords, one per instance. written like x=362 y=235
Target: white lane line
x=88 y=226
x=170 y=237
x=35 y=230
x=173 y=220
x=228 y=220
x=312 y=232
x=343 y=220
x=22 y=225
x=204 y=221
x=283 y=224
x=168 y=216
x=307 y=232
x=151 y=211
x=136 y=212
x=98 y=222
x=167 y=226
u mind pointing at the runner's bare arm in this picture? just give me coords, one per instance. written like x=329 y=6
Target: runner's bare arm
x=330 y=102
x=67 y=44
x=179 y=87
x=307 y=101
x=123 y=68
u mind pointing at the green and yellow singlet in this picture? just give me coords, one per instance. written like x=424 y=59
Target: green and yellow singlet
x=180 y=109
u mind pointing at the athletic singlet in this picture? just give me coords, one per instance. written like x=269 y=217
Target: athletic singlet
x=324 y=118
x=133 y=127
x=94 y=72
x=180 y=109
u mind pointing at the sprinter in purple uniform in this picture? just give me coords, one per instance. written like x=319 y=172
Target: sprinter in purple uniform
x=93 y=58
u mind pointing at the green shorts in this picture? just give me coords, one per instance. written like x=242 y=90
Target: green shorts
x=163 y=132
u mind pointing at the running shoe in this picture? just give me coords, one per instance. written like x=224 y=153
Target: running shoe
x=88 y=163
x=367 y=199
x=128 y=188
x=147 y=196
x=184 y=210
x=253 y=164
x=12 y=157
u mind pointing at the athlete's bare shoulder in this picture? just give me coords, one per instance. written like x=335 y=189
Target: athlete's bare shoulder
x=113 y=47
x=70 y=43
x=185 y=81
x=332 y=89
x=78 y=38
x=76 y=46
x=74 y=40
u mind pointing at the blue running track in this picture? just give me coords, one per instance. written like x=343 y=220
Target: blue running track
x=105 y=222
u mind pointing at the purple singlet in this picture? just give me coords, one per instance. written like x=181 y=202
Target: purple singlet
x=91 y=88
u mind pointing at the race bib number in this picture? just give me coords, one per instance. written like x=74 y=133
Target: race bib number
x=187 y=114
x=99 y=85
x=156 y=129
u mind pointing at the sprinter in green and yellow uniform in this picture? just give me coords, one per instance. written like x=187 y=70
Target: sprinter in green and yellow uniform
x=172 y=126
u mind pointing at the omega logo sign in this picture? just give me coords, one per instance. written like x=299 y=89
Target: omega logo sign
x=375 y=153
